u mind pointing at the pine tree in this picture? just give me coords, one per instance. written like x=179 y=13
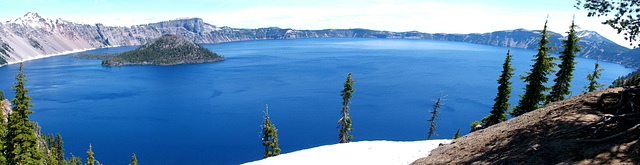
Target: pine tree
x=593 y=83
x=3 y=132
x=134 y=160
x=74 y=160
x=457 y=135
x=435 y=115
x=269 y=136
x=537 y=77
x=565 y=73
x=90 y=159
x=501 y=105
x=344 y=124
x=21 y=138
x=59 y=148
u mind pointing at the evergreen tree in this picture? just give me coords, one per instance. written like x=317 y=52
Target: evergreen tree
x=74 y=160
x=344 y=124
x=537 y=77
x=435 y=115
x=3 y=130
x=90 y=159
x=457 y=135
x=565 y=73
x=593 y=83
x=269 y=137
x=134 y=160
x=59 y=148
x=501 y=105
x=21 y=138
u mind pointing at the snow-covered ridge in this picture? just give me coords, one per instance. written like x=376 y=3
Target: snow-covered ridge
x=362 y=152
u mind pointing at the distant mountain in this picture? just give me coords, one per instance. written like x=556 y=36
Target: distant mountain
x=32 y=36
x=170 y=49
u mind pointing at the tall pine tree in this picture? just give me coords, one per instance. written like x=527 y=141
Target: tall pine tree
x=537 y=77
x=269 y=136
x=500 y=107
x=22 y=145
x=592 y=77
x=565 y=73
x=344 y=124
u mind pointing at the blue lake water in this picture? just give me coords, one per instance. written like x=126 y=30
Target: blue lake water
x=211 y=113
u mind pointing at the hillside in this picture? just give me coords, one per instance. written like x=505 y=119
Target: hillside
x=549 y=135
x=166 y=50
x=33 y=36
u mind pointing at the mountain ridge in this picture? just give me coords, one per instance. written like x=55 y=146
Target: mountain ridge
x=33 y=36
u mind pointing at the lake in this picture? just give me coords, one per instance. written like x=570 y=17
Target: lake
x=211 y=113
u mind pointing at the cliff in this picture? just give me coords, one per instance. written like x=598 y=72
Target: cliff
x=32 y=36
x=169 y=49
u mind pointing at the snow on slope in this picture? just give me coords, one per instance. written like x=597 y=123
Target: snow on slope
x=362 y=152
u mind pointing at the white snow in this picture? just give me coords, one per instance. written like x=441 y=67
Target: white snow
x=362 y=152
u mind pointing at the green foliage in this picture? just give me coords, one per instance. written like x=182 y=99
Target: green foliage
x=537 y=77
x=631 y=79
x=457 y=135
x=21 y=140
x=35 y=44
x=625 y=15
x=435 y=115
x=74 y=160
x=90 y=159
x=501 y=105
x=269 y=137
x=344 y=124
x=565 y=74
x=592 y=77
x=474 y=124
x=134 y=160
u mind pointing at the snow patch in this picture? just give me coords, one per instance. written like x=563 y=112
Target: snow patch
x=362 y=152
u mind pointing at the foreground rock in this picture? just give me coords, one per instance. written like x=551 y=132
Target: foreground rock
x=167 y=50
x=549 y=135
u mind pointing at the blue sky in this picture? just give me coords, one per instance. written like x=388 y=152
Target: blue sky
x=431 y=16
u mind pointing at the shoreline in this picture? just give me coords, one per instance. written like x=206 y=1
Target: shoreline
x=57 y=54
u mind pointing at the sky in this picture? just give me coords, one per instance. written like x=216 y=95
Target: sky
x=430 y=16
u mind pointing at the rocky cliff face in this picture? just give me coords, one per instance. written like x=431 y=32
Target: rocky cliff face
x=32 y=36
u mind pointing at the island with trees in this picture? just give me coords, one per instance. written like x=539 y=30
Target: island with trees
x=167 y=50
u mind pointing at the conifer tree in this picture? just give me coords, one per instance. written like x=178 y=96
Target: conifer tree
x=501 y=105
x=592 y=77
x=566 y=67
x=457 y=135
x=59 y=148
x=3 y=132
x=537 y=77
x=344 y=124
x=74 y=160
x=269 y=136
x=134 y=160
x=21 y=138
x=435 y=115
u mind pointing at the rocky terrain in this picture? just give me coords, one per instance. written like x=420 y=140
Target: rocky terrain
x=170 y=49
x=33 y=36
x=559 y=133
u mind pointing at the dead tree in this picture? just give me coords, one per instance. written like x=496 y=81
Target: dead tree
x=621 y=116
x=435 y=115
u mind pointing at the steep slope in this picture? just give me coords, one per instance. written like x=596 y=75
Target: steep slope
x=545 y=136
x=169 y=49
x=32 y=36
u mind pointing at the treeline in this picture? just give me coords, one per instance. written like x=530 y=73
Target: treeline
x=535 y=95
x=21 y=141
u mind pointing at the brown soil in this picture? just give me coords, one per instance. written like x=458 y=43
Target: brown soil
x=549 y=135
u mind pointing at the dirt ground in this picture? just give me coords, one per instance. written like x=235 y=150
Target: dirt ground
x=549 y=135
